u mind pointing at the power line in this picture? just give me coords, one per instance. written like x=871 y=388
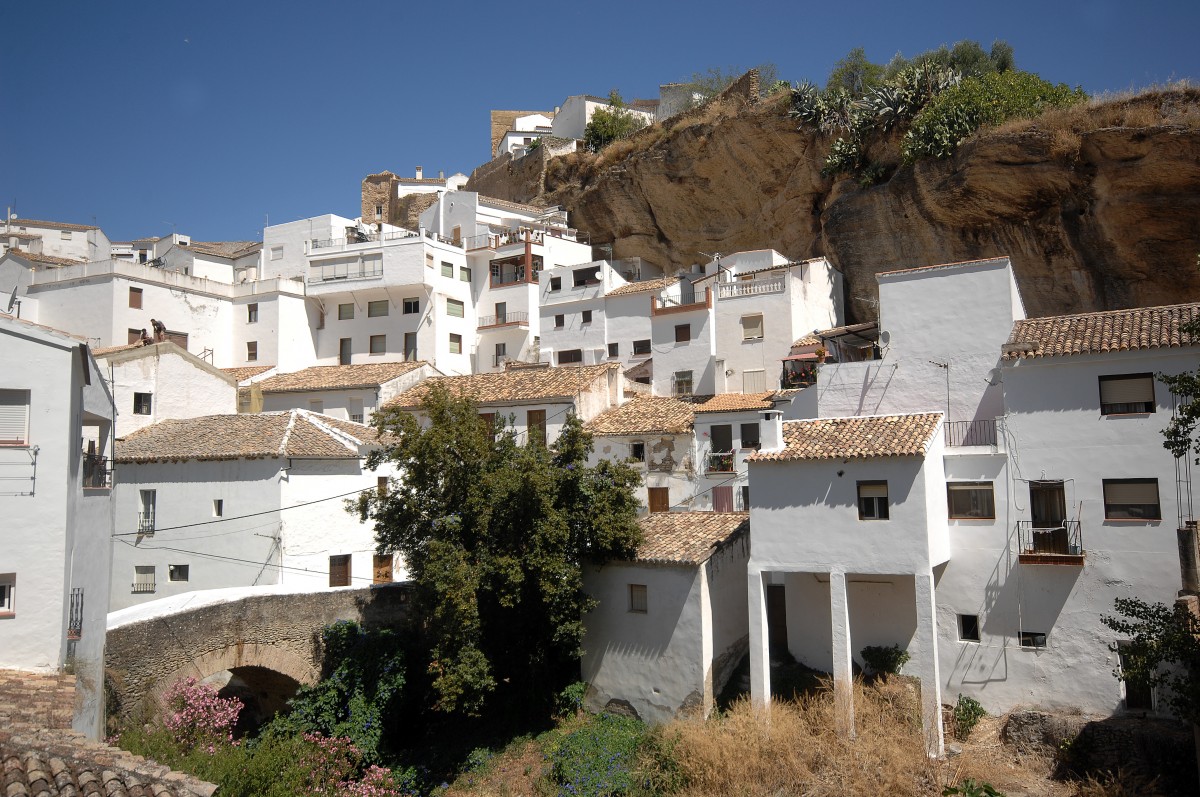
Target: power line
x=239 y=560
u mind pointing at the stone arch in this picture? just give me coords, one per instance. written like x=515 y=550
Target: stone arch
x=240 y=655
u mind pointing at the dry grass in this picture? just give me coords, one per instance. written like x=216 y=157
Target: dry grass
x=517 y=771
x=1174 y=104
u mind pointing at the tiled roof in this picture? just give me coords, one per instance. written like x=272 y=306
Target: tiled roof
x=644 y=285
x=515 y=384
x=1106 y=331
x=764 y=269
x=55 y=330
x=737 y=402
x=858 y=437
x=49 y=260
x=688 y=537
x=54 y=225
x=517 y=206
x=245 y=372
x=226 y=249
x=107 y=350
x=24 y=236
x=644 y=415
x=940 y=265
x=337 y=377
x=814 y=338
x=295 y=433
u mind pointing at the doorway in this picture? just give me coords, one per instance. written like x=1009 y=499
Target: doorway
x=1048 y=511
x=777 y=641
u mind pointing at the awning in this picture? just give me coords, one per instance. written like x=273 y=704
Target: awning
x=809 y=356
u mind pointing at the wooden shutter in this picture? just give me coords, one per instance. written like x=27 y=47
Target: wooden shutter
x=1127 y=390
x=723 y=498
x=339 y=571
x=14 y=417
x=872 y=489
x=754 y=381
x=659 y=499
x=752 y=327
x=382 y=568
x=1131 y=492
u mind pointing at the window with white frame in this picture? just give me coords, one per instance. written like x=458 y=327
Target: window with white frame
x=355 y=410
x=277 y=253
x=14 y=417
x=1127 y=394
x=8 y=589
x=1131 y=499
x=752 y=327
x=638 y=603
x=143 y=578
x=873 y=500
x=411 y=306
x=971 y=500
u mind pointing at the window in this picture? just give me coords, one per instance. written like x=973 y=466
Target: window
x=178 y=572
x=252 y=313
x=585 y=276
x=141 y=403
x=135 y=336
x=251 y=350
x=8 y=589
x=378 y=344
x=971 y=500
x=317 y=406
x=411 y=306
x=464 y=273
x=455 y=308
x=659 y=499
x=556 y=283
x=641 y=347
x=637 y=598
x=535 y=422
x=354 y=409
x=135 y=298
x=752 y=327
x=1139 y=695
x=1131 y=499
x=143 y=578
x=1126 y=394
x=410 y=346
x=872 y=501
x=488 y=420
x=447 y=269
x=637 y=452
x=377 y=308
x=277 y=253
x=683 y=383
x=345 y=351
x=683 y=333
x=560 y=321
x=1033 y=639
x=339 y=570
x=379 y=211
x=345 y=312
x=614 y=350
x=750 y=436
x=381 y=569
x=218 y=507
x=745 y=498
x=754 y=381
x=428 y=260
x=587 y=317
x=570 y=356
x=968 y=627
x=455 y=343
x=381 y=486
x=64 y=235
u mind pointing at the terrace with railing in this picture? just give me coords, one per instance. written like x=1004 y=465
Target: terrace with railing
x=146 y=523
x=721 y=462
x=97 y=472
x=513 y=318
x=499 y=238
x=360 y=269
x=362 y=238
x=1061 y=544
x=733 y=290
x=971 y=433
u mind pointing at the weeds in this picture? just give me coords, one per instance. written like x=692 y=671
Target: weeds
x=967 y=713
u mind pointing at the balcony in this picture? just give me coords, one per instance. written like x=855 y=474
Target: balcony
x=733 y=290
x=721 y=462
x=971 y=433
x=362 y=238
x=515 y=318
x=499 y=238
x=141 y=587
x=146 y=523
x=1054 y=545
x=97 y=472
x=345 y=271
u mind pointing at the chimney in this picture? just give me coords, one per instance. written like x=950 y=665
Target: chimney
x=771 y=434
x=441 y=175
x=420 y=173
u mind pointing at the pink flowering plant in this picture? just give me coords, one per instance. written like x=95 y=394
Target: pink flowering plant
x=198 y=718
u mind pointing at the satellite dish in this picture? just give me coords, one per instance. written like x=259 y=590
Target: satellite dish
x=885 y=338
x=12 y=300
x=993 y=377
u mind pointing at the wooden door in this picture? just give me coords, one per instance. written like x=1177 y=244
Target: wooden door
x=535 y=422
x=382 y=568
x=659 y=499
x=339 y=571
x=723 y=498
x=1048 y=510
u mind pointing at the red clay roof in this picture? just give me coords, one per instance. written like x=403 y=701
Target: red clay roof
x=688 y=538
x=859 y=437
x=644 y=415
x=737 y=402
x=337 y=377
x=1106 y=331
x=513 y=385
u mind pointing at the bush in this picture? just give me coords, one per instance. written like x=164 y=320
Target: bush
x=570 y=700
x=890 y=659
x=609 y=124
x=972 y=788
x=967 y=713
x=599 y=758
x=988 y=99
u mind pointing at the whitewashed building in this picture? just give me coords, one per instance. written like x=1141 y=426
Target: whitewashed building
x=56 y=417
x=572 y=117
x=349 y=392
x=240 y=500
x=78 y=242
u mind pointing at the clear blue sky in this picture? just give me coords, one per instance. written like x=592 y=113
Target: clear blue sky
x=213 y=115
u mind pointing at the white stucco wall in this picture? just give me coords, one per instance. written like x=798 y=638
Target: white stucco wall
x=670 y=462
x=696 y=355
x=179 y=387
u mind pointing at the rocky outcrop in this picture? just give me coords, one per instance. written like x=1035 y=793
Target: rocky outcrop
x=1098 y=208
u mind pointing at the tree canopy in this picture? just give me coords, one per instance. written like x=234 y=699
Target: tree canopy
x=1163 y=650
x=495 y=529
x=609 y=124
x=1182 y=438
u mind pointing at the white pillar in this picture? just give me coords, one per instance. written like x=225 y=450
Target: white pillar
x=927 y=664
x=843 y=655
x=760 y=659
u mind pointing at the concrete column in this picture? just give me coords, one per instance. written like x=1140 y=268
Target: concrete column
x=843 y=654
x=927 y=664
x=760 y=659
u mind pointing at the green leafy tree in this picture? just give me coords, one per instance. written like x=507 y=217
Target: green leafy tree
x=714 y=80
x=1163 y=650
x=1182 y=436
x=855 y=74
x=495 y=531
x=612 y=123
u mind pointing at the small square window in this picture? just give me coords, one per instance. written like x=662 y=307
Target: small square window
x=682 y=381
x=447 y=269
x=251 y=350
x=8 y=589
x=614 y=350
x=637 y=452
x=683 y=333
x=412 y=306
x=560 y=321
x=968 y=627
x=65 y=235
x=142 y=403
x=641 y=347
x=752 y=327
x=1131 y=499
x=556 y=283
x=252 y=313
x=178 y=572
x=377 y=308
x=637 y=598
x=570 y=357
x=277 y=253
x=455 y=343
x=345 y=312
x=218 y=507
x=873 y=500
x=455 y=308
x=378 y=344
x=464 y=273
x=1127 y=394
x=1033 y=639
x=135 y=298
x=587 y=317
x=971 y=500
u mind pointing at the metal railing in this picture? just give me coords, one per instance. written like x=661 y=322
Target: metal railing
x=146 y=523
x=342 y=271
x=971 y=433
x=721 y=462
x=514 y=317
x=515 y=278
x=1064 y=539
x=730 y=290
x=75 y=616
x=142 y=586
x=97 y=472
x=365 y=238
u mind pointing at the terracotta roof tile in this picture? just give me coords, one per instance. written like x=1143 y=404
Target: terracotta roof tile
x=737 y=402
x=644 y=415
x=245 y=372
x=815 y=338
x=688 y=537
x=48 y=260
x=295 y=433
x=337 y=377
x=643 y=286
x=1106 y=331
x=226 y=249
x=517 y=206
x=940 y=265
x=513 y=385
x=54 y=225
x=859 y=437
x=107 y=350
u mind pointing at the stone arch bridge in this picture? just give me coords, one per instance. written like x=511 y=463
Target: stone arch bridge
x=267 y=639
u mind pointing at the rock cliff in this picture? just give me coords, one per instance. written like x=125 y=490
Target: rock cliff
x=1098 y=206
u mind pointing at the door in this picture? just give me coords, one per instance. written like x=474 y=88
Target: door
x=501 y=312
x=410 y=346
x=535 y=422
x=344 y=351
x=777 y=620
x=723 y=498
x=1139 y=696
x=383 y=568
x=339 y=571
x=1048 y=510
x=659 y=499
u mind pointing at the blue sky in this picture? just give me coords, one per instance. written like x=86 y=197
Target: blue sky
x=213 y=116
